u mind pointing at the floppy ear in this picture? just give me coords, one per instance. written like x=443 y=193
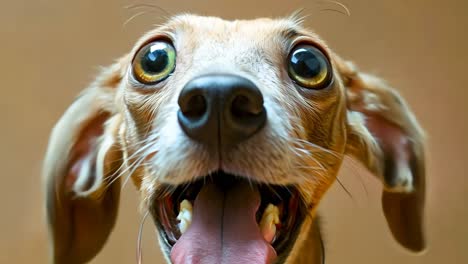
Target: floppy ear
x=81 y=195
x=384 y=135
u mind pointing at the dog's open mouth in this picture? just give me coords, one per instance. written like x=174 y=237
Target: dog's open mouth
x=222 y=218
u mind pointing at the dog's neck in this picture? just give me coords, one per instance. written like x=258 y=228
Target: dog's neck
x=311 y=250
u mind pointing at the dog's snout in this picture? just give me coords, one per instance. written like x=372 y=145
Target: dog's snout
x=221 y=110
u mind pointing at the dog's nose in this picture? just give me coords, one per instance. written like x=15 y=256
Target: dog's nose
x=221 y=110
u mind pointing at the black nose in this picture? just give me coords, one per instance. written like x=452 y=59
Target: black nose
x=221 y=110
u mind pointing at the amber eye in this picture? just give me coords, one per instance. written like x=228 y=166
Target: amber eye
x=154 y=62
x=309 y=67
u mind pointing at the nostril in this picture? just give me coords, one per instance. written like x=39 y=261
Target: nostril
x=245 y=116
x=195 y=107
x=243 y=107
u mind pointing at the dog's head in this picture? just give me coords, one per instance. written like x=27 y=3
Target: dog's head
x=232 y=131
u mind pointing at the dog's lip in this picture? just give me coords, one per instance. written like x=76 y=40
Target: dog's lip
x=168 y=197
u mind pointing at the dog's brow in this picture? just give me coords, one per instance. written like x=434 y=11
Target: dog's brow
x=290 y=33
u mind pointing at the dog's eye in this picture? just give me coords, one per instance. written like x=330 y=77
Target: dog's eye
x=309 y=67
x=154 y=62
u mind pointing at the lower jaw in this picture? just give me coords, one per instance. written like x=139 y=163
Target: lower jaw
x=284 y=197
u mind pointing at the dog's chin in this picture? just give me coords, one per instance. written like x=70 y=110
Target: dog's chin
x=222 y=218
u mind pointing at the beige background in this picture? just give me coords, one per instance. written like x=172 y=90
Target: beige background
x=49 y=50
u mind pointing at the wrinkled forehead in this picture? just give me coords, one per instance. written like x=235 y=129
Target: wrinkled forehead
x=215 y=35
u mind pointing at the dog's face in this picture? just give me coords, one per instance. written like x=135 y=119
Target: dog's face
x=270 y=111
x=232 y=131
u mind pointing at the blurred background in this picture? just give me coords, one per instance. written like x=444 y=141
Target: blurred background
x=51 y=49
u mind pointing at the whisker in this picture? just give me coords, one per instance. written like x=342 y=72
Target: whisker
x=141 y=142
x=147 y=8
x=315 y=146
x=322 y=248
x=183 y=192
x=165 y=191
x=146 y=5
x=345 y=10
x=309 y=148
x=318 y=163
x=134 y=17
x=121 y=172
x=114 y=177
x=288 y=190
x=297 y=16
x=361 y=182
x=135 y=167
x=310 y=168
x=354 y=169
x=333 y=10
x=140 y=235
x=346 y=190
x=274 y=192
x=123 y=159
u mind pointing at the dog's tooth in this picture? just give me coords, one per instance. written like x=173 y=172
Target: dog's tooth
x=270 y=219
x=184 y=216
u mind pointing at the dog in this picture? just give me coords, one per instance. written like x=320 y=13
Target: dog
x=232 y=132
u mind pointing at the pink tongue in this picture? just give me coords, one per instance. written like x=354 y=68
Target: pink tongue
x=224 y=229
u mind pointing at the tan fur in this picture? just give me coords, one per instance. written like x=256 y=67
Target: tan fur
x=304 y=142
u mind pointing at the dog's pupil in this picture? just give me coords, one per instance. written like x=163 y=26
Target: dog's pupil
x=155 y=61
x=306 y=63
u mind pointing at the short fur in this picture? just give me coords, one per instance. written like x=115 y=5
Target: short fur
x=112 y=131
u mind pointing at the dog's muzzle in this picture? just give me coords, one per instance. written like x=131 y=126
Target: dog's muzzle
x=223 y=217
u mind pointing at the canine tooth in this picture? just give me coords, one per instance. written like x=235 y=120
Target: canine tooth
x=184 y=216
x=270 y=219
